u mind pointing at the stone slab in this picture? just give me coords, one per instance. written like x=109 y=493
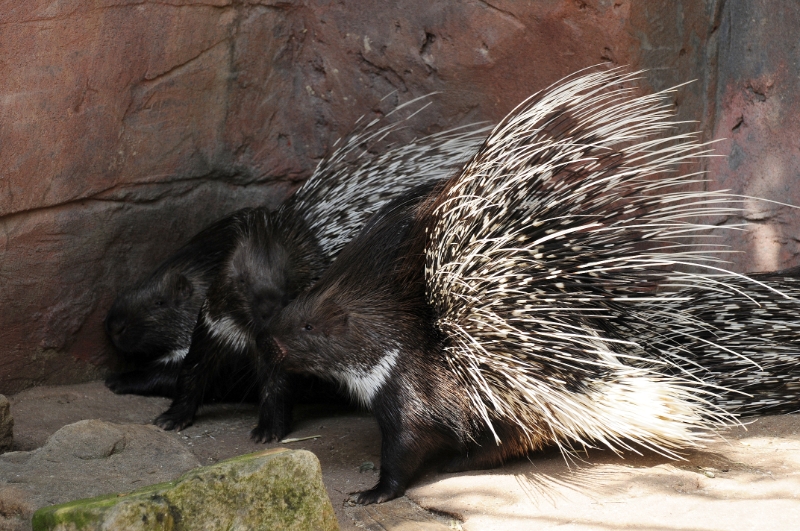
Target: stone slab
x=87 y=458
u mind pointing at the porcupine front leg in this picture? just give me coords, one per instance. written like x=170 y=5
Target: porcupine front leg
x=197 y=372
x=405 y=447
x=275 y=402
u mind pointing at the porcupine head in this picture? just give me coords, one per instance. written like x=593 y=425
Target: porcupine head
x=266 y=269
x=157 y=317
x=350 y=326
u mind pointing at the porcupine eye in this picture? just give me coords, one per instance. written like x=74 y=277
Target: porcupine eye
x=308 y=327
x=159 y=303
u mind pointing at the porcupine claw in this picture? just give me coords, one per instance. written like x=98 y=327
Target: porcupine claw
x=269 y=434
x=374 y=495
x=173 y=420
x=274 y=427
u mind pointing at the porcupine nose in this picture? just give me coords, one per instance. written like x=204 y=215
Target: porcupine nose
x=280 y=347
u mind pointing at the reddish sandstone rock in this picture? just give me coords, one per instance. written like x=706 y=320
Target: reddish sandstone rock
x=757 y=121
x=129 y=125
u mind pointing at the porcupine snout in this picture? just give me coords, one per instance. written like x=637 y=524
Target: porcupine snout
x=280 y=348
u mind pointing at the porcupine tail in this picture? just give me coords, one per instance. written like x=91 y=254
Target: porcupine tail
x=739 y=339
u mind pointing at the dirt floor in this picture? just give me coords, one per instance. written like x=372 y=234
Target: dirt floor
x=748 y=480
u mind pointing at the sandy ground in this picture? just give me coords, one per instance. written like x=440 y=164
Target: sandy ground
x=748 y=480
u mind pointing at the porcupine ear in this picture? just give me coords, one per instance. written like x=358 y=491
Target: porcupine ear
x=336 y=320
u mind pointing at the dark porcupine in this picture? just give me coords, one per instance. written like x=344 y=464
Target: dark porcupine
x=151 y=324
x=476 y=325
x=277 y=256
x=738 y=338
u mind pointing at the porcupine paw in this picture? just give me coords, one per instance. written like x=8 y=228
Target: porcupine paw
x=116 y=383
x=377 y=494
x=173 y=420
x=265 y=434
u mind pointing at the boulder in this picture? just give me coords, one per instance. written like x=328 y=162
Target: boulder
x=87 y=458
x=272 y=489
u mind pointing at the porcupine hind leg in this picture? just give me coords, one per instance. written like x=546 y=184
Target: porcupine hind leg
x=485 y=453
x=475 y=459
x=197 y=372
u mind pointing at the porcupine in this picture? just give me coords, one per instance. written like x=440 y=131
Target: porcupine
x=150 y=324
x=277 y=256
x=479 y=331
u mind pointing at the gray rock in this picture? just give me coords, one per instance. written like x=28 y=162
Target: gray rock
x=85 y=459
x=6 y=425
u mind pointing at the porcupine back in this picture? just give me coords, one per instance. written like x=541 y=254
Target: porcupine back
x=740 y=339
x=571 y=209
x=351 y=184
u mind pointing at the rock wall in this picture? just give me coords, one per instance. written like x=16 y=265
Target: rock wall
x=755 y=115
x=127 y=125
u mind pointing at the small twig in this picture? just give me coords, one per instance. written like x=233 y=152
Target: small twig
x=298 y=439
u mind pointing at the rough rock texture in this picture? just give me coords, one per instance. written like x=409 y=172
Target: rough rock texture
x=39 y=412
x=347 y=438
x=87 y=458
x=272 y=489
x=128 y=125
x=6 y=425
x=755 y=116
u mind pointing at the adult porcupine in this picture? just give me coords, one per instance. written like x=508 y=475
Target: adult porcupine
x=480 y=330
x=151 y=323
x=278 y=255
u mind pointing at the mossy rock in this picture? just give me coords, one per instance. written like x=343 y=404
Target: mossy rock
x=274 y=489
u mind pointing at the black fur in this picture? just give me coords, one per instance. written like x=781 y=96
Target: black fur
x=272 y=260
x=305 y=234
x=149 y=322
